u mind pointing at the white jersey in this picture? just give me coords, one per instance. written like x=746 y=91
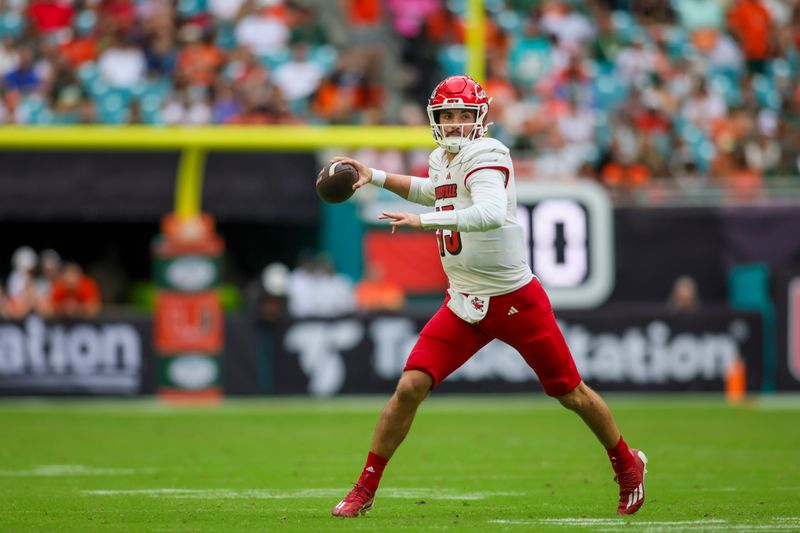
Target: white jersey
x=481 y=243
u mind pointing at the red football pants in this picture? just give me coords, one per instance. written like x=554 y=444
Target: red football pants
x=447 y=342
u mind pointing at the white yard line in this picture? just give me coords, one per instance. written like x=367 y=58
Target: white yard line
x=277 y=494
x=656 y=526
x=592 y=522
x=73 y=470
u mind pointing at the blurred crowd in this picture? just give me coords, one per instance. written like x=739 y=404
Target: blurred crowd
x=694 y=93
x=315 y=289
x=43 y=284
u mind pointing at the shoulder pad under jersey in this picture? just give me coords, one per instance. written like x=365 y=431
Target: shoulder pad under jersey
x=484 y=150
x=436 y=160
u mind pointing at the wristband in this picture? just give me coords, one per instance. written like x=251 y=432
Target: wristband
x=378 y=177
x=439 y=220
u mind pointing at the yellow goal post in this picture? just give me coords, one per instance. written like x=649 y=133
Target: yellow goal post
x=194 y=142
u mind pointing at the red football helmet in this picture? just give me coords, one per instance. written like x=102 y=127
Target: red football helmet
x=458 y=92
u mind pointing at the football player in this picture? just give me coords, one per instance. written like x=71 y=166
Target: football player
x=492 y=295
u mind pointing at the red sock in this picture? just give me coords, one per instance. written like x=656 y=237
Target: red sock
x=620 y=455
x=373 y=470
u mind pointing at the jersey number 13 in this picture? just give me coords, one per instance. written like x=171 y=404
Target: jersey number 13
x=451 y=242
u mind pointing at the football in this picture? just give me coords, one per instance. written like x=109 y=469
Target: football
x=335 y=182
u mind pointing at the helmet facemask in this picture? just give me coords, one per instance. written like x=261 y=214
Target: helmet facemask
x=454 y=143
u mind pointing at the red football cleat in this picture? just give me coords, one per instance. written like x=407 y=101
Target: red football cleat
x=358 y=502
x=631 y=484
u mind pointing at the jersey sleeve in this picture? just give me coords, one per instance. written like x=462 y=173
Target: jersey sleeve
x=489 y=201
x=421 y=190
x=487 y=212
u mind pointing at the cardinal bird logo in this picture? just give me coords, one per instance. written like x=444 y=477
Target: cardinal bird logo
x=477 y=303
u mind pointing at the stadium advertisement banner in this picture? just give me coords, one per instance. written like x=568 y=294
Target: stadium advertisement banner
x=634 y=350
x=74 y=357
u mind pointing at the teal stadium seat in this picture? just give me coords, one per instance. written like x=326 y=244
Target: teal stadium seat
x=529 y=60
x=452 y=59
x=112 y=106
x=602 y=129
x=325 y=56
x=275 y=59
x=88 y=73
x=191 y=8
x=150 y=109
x=766 y=93
x=33 y=110
x=11 y=24
x=85 y=22
x=624 y=25
x=676 y=39
x=608 y=91
x=726 y=82
x=494 y=6
x=151 y=95
x=510 y=22
x=98 y=87
x=226 y=35
x=459 y=7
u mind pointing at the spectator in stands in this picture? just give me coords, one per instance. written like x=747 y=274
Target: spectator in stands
x=67 y=97
x=334 y=291
x=299 y=77
x=365 y=18
x=50 y=16
x=408 y=16
x=300 y=290
x=688 y=177
x=570 y=27
x=375 y=292
x=9 y=56
x=189 y=106
x=122 y=65
x=75 y=294
x=763 y=154
x=750 y=22
x=49 y=273
x=200 y=59
x=116 y=17
x=78 y=47
x=306 y=25
x=443 y=27
x=266 y=296
x=684 y=296
x=703 y=19
x=530 y=56
x=261 y=28
x=25 y=78
x=225 y=11
x=704 y=108
x=21 y=284
x=315 y=289
x=160 y=52
x=3 y=304
x=634 y=63
x=338 y=96
x=226 y=104
x=788 y=133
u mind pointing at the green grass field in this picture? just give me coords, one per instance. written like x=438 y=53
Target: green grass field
x=469 y=464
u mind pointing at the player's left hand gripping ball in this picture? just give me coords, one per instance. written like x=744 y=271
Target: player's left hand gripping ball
x=335 y=182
